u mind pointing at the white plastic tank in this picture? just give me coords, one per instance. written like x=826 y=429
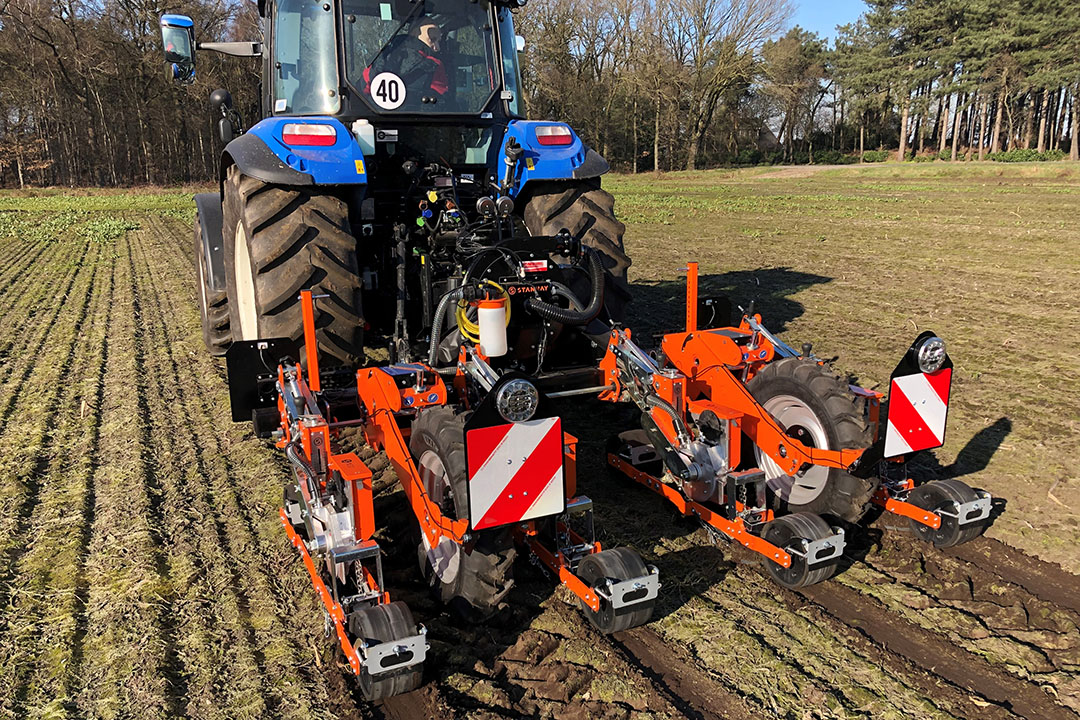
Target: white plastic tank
x=491 y=316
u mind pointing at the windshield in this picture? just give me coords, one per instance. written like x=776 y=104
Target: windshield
x=434 y=56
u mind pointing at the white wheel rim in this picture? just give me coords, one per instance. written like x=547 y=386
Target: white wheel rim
x=793 y=413
x=445 y=558
x=245 y=286
x=202 y=289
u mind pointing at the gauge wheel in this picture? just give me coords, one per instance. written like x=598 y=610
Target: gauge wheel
x=615 y=565
x=939 y=496
x=380 y=624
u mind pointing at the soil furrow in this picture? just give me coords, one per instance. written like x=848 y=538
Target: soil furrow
x=129 y=667
x=21 y=362
x=200 y=455
x=15 y=278
x=928 y=650
x=202 y=587
x=1042 y=579
x=31 y=438
x=41 y=618
x=959 y=611
x=689 y=688
x=82 y=581
x=265 y=630
x=18 y=256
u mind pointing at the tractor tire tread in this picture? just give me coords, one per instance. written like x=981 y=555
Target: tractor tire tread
x=299 y=239
x=485 y=575
x=847 y=497
x=583 y=207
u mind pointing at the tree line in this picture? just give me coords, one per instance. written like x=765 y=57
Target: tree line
x=651 y=84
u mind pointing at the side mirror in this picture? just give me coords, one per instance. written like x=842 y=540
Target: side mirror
x=221 y=107
x=178 y=40
x=519 y=43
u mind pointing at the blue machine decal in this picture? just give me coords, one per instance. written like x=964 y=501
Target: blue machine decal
x=339 y=164
x=542 y=162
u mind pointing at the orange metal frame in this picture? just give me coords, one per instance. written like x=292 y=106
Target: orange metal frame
x=905 y=509
x=707 y=361
x=337 y=615
x=734 y=529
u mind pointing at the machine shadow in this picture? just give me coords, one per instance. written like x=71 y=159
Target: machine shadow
x=973 y=457
x=660 y=306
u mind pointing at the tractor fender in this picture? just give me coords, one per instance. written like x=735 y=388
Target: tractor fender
x=262 y=153
x=250 y=153
x=212 y=246
x=574 y=161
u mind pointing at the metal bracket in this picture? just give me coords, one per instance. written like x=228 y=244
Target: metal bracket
x=973 y=511
x=396 y=654
x=633 y=591
x=821 y=550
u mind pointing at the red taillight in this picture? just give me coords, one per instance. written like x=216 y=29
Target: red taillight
x=308 y=134
x=554 y=135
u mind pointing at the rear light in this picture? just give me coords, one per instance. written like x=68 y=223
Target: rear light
x=554 y=135
x=308 y=134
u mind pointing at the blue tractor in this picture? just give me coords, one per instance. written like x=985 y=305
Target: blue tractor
x=393 y=198
x=391 y=165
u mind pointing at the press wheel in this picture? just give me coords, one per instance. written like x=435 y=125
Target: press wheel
x=786 y=533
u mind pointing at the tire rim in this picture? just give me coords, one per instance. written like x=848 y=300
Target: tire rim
x=444 y=559
x=245 y=285
x=803 y=424
x=204 y=307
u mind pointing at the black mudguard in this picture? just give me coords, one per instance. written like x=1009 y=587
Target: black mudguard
x=594 y=166
x=255 y=159
x=212 y=245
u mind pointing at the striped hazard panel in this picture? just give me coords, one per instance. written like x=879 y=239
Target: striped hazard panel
x=515 y=472
x=918 y=406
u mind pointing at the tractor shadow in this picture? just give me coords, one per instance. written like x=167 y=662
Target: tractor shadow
x=660 y=307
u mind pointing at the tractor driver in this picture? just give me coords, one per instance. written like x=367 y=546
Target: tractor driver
x=415 y=59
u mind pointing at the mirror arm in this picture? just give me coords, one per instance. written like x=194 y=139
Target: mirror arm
x=236 y=49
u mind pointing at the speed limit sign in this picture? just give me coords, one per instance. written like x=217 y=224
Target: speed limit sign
x=388 y=91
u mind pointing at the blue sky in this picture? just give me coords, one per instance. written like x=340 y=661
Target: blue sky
x=822 y=16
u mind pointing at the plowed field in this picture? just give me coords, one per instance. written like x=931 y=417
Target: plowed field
x=144 y=572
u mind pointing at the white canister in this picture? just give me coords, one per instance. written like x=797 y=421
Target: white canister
x=491 y=316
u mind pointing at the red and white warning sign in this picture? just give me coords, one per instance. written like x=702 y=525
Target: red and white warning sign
x=918 y=407
x=515 y=472
x=531 y=266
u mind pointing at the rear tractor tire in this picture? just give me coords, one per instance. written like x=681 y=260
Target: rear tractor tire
x=278 y=241
x=213 y=304
x=474 y=581
x=583 y=208
x=380 y=624
x=615 y=565
x=817 y=409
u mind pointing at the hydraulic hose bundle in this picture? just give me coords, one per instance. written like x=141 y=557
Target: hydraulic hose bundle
x=569 y=316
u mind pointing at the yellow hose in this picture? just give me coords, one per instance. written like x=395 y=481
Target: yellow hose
x=470 y=330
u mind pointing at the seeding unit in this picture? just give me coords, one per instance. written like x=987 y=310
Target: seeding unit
x=485 y=464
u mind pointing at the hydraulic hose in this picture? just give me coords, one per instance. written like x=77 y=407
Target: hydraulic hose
x=436 y=328
x=299 y=460
x=564 y=291
x=567 y=316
